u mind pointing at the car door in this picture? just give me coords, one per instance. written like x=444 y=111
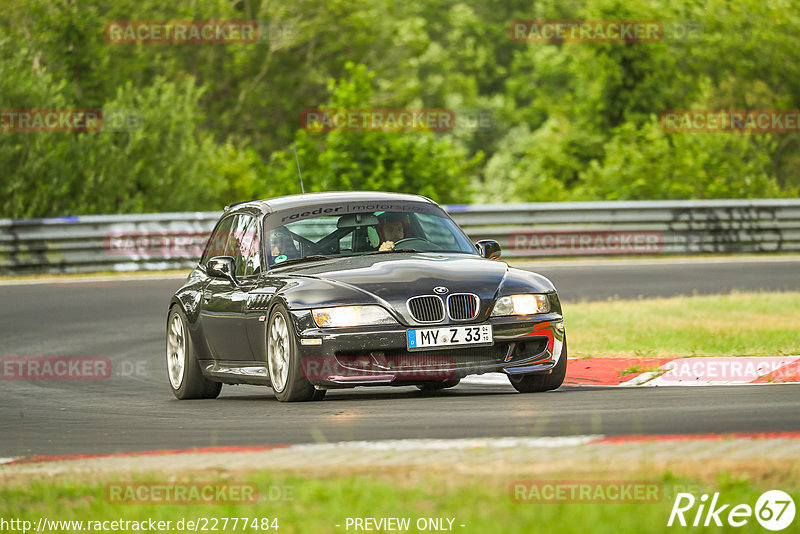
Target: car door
x=224 y=302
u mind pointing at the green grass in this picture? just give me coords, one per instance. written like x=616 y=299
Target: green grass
x=637 y=369
x=738 y=324
x=319 y=504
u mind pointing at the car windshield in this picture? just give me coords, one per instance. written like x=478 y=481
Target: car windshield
x=370 y=232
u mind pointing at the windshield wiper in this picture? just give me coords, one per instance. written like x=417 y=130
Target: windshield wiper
x=314 y=257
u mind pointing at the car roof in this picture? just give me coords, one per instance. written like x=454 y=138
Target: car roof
x=269 y=205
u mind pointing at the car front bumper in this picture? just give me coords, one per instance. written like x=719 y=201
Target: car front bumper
x=378 y=355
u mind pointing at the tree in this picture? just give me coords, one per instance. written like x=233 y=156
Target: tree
x=412 y=162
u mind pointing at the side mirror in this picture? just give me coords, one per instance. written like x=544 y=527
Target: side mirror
x=221 y=267
x=488 y=248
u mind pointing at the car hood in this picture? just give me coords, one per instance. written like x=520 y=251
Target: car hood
x=392 y=279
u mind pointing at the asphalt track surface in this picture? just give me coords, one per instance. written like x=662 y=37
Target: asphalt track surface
x=134 y=410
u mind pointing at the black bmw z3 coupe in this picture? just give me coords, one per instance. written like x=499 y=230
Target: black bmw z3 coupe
x=312 y=292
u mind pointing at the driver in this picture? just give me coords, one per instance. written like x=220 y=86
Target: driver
x=391 y=231
x=281 y=245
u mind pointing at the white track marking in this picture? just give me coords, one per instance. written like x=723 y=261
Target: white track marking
x=488 y=379
x=406 y=445
x=712 y=371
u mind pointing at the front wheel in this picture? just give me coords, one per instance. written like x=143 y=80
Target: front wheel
x=536 y=382
x=283 y=361
x=185 y=377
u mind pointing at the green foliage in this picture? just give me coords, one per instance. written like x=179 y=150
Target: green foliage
x=165 y=163
x=573 y=120
x=586 y=110
x=413 y=162
x=699 y=165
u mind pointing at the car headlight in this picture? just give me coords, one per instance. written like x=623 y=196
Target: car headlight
x=521 y=305
x=344 y=316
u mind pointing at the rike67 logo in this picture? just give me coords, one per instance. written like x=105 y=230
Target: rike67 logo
x=774 y=510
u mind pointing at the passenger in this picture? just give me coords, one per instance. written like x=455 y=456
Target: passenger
x=281 y=246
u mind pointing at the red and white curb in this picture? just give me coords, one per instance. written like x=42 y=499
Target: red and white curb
x=695 y=371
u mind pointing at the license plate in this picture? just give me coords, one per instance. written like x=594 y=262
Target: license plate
x=450 y=336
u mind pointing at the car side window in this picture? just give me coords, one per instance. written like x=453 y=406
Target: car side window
x=242 y=245
x=252 y=255
x=216 y=243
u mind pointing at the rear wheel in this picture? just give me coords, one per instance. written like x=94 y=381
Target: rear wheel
x=283 y=361
x=536 y=382
x=435 y=386
x=185 y=377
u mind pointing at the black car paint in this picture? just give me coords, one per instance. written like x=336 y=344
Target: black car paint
x=234 y=315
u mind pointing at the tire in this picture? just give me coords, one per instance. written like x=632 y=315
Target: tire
x=183 y=372
x=435 y=386
x=283 y=360
x=534 y=383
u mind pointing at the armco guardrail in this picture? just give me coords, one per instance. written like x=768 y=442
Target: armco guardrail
x=175 y=240
x=636 y=227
